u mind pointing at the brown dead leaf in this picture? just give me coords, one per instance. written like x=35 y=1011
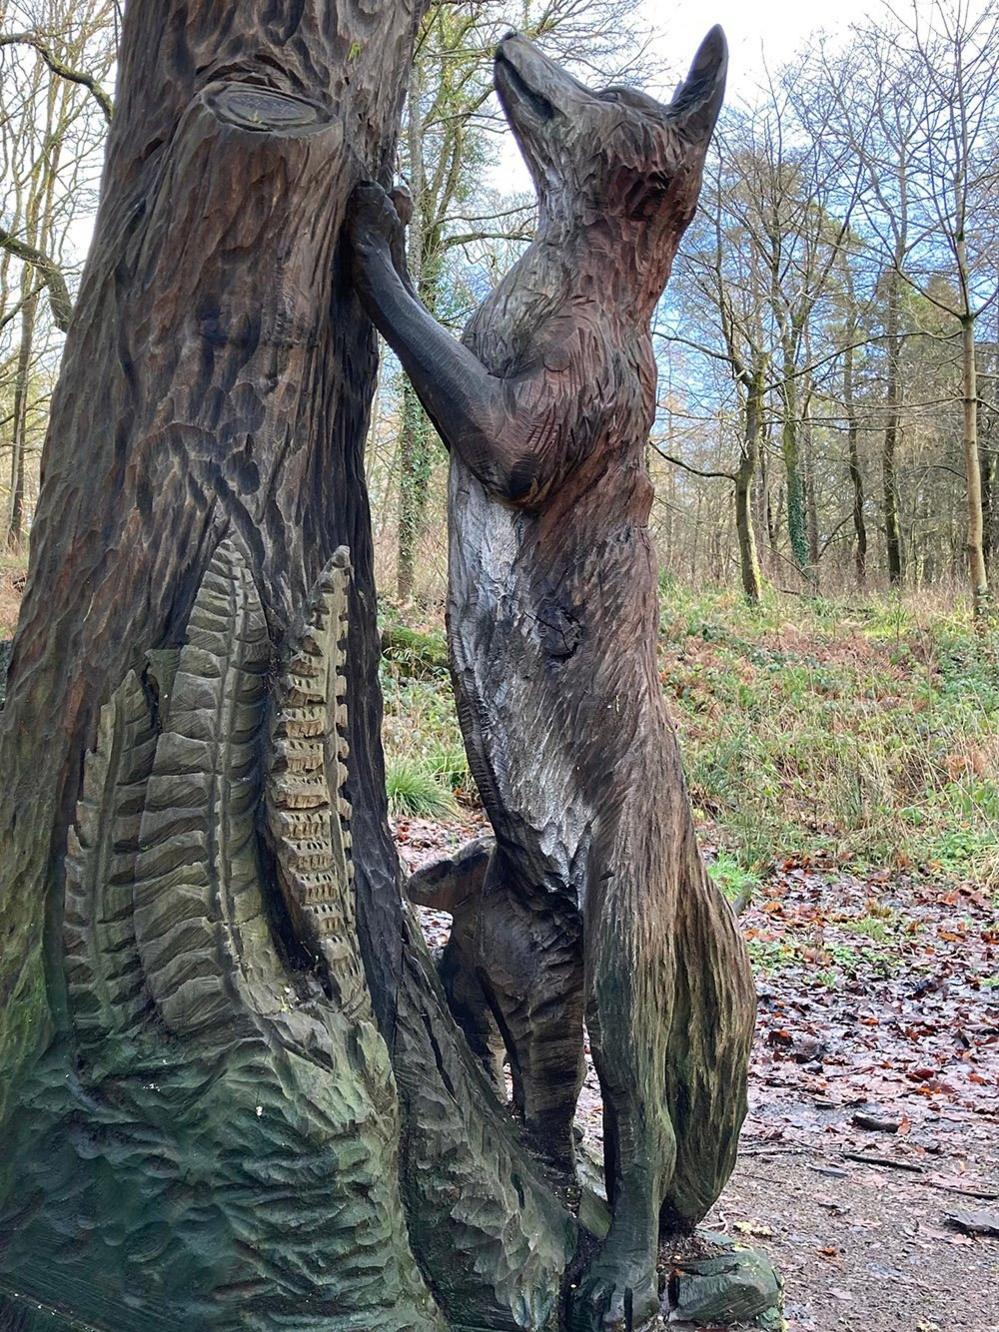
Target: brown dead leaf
x=757 y=1229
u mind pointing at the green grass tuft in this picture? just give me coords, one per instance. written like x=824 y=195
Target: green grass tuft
x=733 y=878
x=416 y=792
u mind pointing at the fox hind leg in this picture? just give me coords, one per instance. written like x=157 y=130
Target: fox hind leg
x=530 y=964
x=627 y=1017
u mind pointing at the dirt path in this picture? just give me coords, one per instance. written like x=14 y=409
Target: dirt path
x=863 y=1249
x=878 y=1038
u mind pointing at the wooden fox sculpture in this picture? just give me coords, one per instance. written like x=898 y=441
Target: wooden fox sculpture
x=595 y=906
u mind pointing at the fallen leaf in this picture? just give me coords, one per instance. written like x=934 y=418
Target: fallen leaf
x=755 y=1228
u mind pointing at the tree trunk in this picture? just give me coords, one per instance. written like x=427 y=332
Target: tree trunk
x=990 y=527
x=856 y=476
x=893 y=349
x=797 y=512
x=811 y=498
x=774 y=516
x=415 y=444
x=413 y=424
x=749 y=564
x=22 y=394
x=976 y=549
x=200 y=1125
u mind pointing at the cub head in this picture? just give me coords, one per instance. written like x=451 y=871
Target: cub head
x=614 y=156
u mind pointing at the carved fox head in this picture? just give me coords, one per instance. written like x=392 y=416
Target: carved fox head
x=613 y=157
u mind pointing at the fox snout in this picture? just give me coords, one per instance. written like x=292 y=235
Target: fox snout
x=531 y=87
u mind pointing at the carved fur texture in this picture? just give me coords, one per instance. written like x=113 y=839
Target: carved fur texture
x=596 y=902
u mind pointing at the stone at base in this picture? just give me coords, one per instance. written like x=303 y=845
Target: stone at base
x=732 y=1286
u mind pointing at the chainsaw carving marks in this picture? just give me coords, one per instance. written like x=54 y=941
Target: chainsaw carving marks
x=174 y=813
x=107 y=988
x=308 y=812
x=209 y=1068
x=199 y=916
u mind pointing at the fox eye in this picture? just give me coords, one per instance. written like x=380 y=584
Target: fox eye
x=644 y=197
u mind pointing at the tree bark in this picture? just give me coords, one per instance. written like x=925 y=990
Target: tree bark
x=415 y=443
x=856 y=476
x=22 y=393
x=797 y=509
x=893 y=350
x=223 y=1101
x=749 y=564
x=976 y=549
x=811 y=498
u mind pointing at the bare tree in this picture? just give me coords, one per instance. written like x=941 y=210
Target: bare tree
x=955 y=53
x=53 y=118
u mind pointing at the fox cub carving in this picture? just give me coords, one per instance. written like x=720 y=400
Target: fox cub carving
x=595 y=905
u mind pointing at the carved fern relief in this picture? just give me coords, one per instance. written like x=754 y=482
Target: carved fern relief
x=307 y=809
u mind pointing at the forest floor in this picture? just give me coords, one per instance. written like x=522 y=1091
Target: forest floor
x=872 y=1143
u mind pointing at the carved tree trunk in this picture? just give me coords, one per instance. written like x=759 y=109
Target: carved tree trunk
x=230 y=1094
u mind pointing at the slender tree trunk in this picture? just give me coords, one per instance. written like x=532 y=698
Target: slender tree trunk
x=415 y=465
x=774 y=518
x=414 y=427
x=797 y=511
x=811 y=499
x=987 y=510
x=761 y=497
x=893 y=349
x=748 y=561
x=856 y=476
x=976 y=548
x=22 y=395
x=230 y=1094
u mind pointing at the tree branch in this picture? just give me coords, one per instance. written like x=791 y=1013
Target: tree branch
x=678 y=462
x=57 y=67
x=48 y=270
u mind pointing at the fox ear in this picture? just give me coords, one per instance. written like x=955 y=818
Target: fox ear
x=696 y=103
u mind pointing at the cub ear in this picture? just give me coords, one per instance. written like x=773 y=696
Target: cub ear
x=696 y=103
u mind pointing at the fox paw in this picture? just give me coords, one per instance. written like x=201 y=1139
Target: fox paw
x=372 y=218
x=614 y=1301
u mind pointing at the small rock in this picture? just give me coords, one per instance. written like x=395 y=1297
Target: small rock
x=974 y=1223
x=735 y=1286
x=877 y=1123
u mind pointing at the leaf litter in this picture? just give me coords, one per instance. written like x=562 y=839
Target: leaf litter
x=868 y=1168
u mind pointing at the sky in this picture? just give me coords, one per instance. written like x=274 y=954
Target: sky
x=761 y=34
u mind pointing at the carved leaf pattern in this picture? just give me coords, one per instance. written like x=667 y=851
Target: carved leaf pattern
x=199 y=915
x=272 y=1094
x=107 y=991
x=308 y=812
